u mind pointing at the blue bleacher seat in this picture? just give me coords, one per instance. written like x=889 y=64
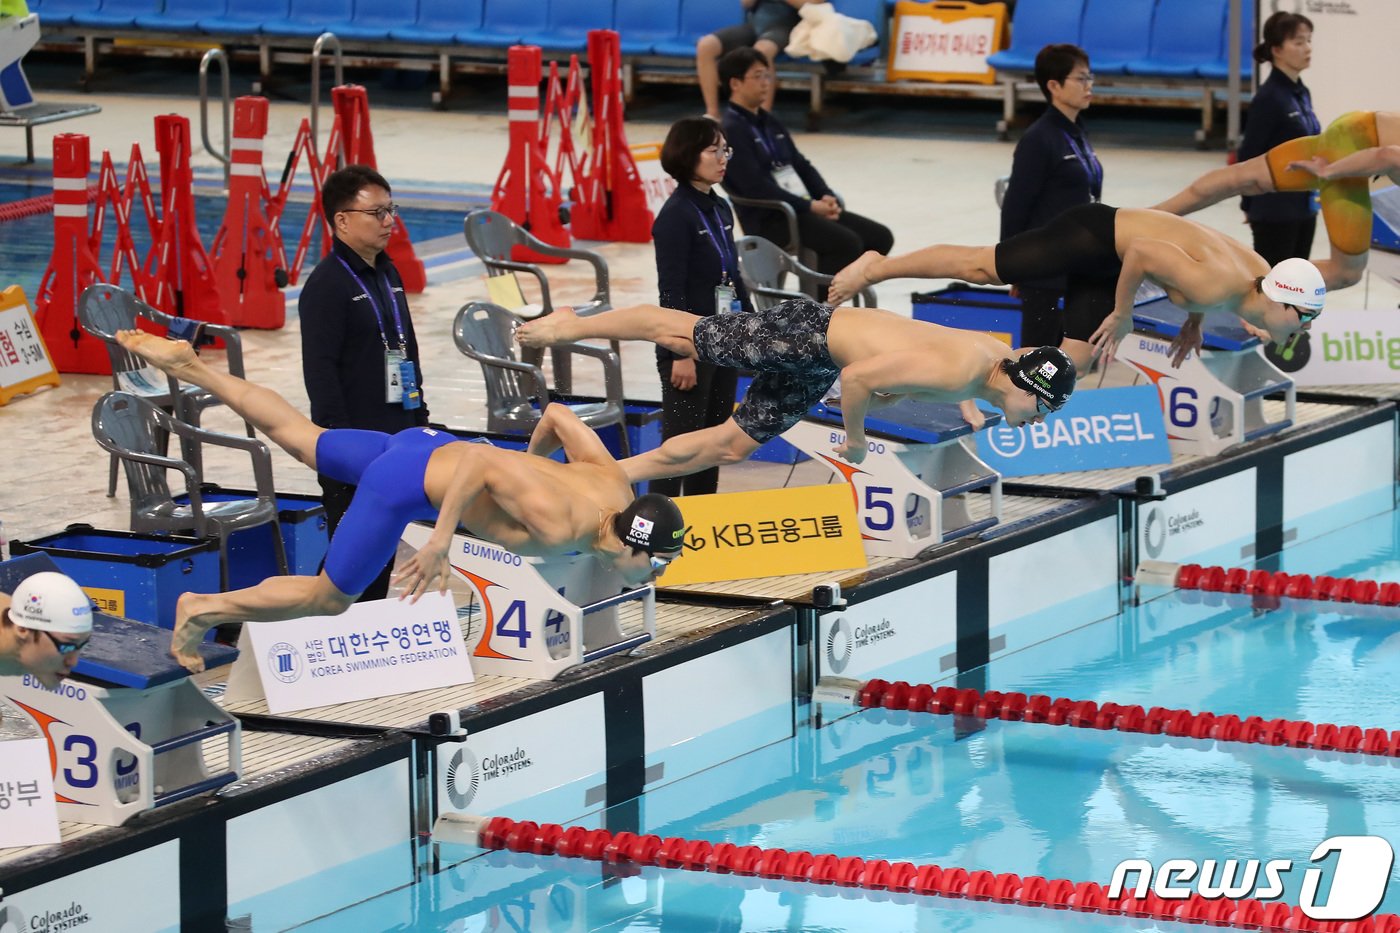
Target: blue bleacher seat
x=439 y=22
x=567 y=25
x=117 y=14
x=640 y=24
x=505 y=22
x=1220 y=68
x=182 y=15
x=309 y=18
x=698 y=18
x=1185 y=37
x=1116 y=32
x=373 y=21
x=1034 y=25
x=875 y=12
x=61 y=12
x=245 y=18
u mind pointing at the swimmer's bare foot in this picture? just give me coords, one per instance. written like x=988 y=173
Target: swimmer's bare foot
x=189 y=632
x=555 y=328
x=175 y=357
x=852 y=279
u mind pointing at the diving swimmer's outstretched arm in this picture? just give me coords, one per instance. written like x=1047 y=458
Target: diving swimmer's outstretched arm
x=690 y=453
x=1168 y=265
x=430 y=565
x=1378 y=160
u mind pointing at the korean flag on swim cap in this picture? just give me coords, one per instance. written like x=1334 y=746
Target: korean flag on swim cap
x=652 y=523
x=1296 y=282
x=1046 y=372
x=52 y=602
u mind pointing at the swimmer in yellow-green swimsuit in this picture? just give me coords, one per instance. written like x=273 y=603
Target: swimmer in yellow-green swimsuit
x=1337 y=163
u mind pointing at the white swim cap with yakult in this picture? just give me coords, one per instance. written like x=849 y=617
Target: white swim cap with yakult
x=1296 y=282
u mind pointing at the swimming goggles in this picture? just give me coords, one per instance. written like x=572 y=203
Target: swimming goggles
x=67 y=647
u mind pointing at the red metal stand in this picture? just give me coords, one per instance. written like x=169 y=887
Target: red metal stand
x=351 y=104
x=182 y=276
x=73 y=265
x=249 y=259
x=611 y=202
x=528 y=191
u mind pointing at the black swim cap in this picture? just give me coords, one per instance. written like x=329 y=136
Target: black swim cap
x=652 y=523
x=1046 y=372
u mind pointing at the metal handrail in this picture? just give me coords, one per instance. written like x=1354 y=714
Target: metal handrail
x=211 y=56
x=324 y=39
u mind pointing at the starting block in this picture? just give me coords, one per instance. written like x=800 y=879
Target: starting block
x=126 y=732
x=911 y=489
x=541 y=616
x=1216 y=399
x=1385 y=234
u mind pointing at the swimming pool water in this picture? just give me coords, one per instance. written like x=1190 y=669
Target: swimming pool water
x=26 y=243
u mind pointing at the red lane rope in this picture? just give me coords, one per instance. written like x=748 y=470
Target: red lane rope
x=39 y=204
x=1159 y=720
x=674 y=852
x=1296 y=586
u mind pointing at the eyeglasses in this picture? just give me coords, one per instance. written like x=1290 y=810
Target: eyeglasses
x=761 y=75
x=724 y=155
x=380 y=214
x=66 y=648
x=1086 y=78
x=1305 y=314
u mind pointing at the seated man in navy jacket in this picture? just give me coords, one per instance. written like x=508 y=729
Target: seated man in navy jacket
x=766 y=164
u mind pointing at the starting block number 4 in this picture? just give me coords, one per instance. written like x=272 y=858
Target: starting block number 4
x=541 y=617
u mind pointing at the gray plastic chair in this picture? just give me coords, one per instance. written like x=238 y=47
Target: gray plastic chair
x=128 y=425
x=492 y=236
x=105 y=309
x=516 y=392
x=765 y=269
x=804 y=255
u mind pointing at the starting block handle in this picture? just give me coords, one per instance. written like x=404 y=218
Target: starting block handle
x=620 y=598
x=627 y=644
x=198 y=735
x=195 y=789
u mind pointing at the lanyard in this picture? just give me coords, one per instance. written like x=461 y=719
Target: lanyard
x=379 y=315
x=1304 y=101
x=1092 y=166
x=715 y=238
x=760 y=136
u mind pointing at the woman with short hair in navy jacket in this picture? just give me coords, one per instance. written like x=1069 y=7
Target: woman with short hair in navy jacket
x=697 y=270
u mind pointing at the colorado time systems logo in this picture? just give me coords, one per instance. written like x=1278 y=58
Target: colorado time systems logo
x=463 y=778
x=1158 y=526
x=839 y=645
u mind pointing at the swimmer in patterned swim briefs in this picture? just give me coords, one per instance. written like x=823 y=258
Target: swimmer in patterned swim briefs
x=1336 y=163
x=1105 y=253
x=523 y=501
x=798 y=348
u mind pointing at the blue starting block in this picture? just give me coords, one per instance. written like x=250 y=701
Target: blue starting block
x=1215 y=400
x=912 y=488
x=125 y=733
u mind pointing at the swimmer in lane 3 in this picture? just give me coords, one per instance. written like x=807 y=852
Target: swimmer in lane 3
x=1106 y=253
x=520 y=500
x=798 y=348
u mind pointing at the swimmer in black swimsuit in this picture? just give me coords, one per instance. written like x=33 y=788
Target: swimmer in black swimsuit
x=523 y=501
x=1105 y=253
x=798 y=348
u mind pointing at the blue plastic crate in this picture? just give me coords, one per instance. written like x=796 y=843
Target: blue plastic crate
x=251 y=558
x=963 y=306
x=139 y=576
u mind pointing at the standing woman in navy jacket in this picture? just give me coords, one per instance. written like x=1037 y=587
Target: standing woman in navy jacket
x=697 y=270
x=1283 y=222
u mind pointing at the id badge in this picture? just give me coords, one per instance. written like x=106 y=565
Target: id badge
x=787 y=178
x=725 y=300
x=393 y=376
x=408 y=378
